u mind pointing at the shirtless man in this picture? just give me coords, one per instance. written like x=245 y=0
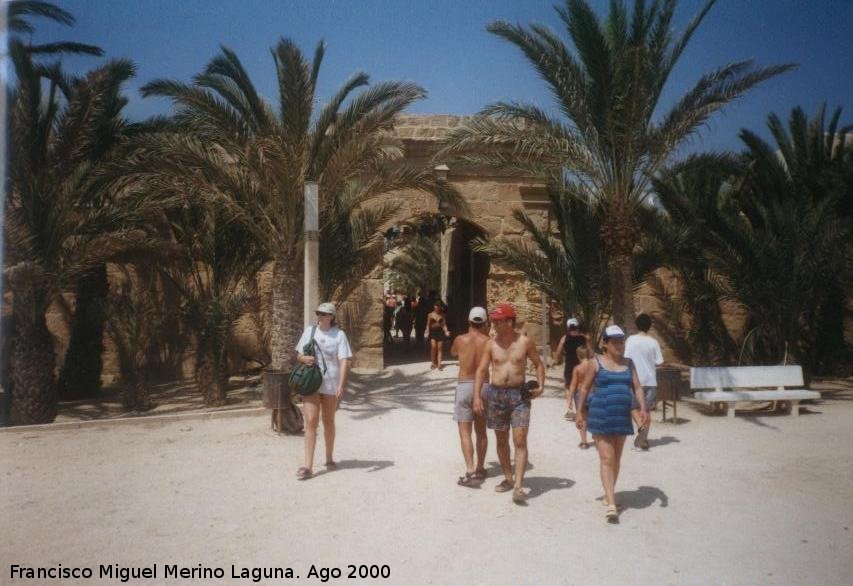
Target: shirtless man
x=507 y=354
x=438 y=333
x=469 y=348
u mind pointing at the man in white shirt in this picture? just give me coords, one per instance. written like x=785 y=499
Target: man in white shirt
x=646 y=355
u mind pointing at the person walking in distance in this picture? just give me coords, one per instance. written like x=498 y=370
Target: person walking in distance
x=469 y=349
x=568 y=345
x=573 y=387
x=645 y=352
x=507 y=397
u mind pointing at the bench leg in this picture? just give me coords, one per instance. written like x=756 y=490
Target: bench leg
x=730 y=409
x=795 y=408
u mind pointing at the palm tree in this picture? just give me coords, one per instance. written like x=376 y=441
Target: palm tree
x=794 y=211
x=608 y=146
x=57 y=226
x=81 y=371
x=569 y=267
x=219 y=260
x=416 y=264
x=694 y=199
x=20 y=10
x=766 y=230
x=266 y=154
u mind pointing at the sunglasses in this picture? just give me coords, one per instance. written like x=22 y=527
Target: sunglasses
x=321 y=314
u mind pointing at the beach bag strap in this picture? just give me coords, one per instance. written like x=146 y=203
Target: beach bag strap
x=312 y=343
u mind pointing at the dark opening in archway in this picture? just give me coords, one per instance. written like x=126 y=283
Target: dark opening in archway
x=437 y=255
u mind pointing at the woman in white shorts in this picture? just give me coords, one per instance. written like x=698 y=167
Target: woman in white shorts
x=332 y=342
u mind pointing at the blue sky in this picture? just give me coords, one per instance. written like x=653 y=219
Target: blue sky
x=443 y=46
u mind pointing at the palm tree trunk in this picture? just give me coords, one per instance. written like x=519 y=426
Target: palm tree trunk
x=286 y=329
x=287 y=318
x=31 y=364
x=619 y=234
x=136 y=392
x=212 y=378
x=80 y=375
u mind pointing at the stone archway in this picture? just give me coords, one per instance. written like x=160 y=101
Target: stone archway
x=491 y=196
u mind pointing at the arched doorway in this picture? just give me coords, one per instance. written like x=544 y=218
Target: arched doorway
x=431 y=257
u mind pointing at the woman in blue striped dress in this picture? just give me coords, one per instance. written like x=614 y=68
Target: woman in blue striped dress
x=608 y=416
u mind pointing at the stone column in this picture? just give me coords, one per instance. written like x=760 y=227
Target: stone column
x=446 y=250
x=312 y=251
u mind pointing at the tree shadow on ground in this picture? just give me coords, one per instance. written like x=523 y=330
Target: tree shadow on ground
x=373 y=395
x=663 y=441
x=642 y=498
x=376 y=394
x=167 y=398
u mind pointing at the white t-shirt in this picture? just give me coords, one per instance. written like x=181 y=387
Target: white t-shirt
x=645 y=352
x=334 y=345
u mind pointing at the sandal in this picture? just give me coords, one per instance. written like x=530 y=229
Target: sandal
x=480 y=474
x=468 y=480
x=504 y=486
x=612 y=514
x=519 y=496
x=303 y=473
x=331 y=465
x=584 y=445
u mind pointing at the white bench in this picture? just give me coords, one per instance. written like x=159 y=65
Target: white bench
x=739 y=378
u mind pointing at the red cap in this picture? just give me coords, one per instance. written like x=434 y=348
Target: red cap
x=503 y=311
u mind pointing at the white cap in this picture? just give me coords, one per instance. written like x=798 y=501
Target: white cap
x=477 y=315
x=572 y=321
x=327 y=308
x=613 y=331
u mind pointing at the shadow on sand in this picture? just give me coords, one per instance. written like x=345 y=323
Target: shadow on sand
x=663 y=441
x=642 y=498
x=366 y=465
x=539 y=485
x=374 y=395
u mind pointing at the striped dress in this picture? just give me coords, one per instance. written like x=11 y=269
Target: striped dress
x=610 y=405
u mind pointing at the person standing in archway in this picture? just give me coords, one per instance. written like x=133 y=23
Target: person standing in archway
x=438 y=333
x=421 y=312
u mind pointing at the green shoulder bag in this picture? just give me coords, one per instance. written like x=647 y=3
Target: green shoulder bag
x=305 y=379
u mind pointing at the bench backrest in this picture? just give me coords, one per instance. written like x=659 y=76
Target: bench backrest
x=721 y=377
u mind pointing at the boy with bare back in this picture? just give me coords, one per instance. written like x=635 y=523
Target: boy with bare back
x=469 y=348
x=507 y=400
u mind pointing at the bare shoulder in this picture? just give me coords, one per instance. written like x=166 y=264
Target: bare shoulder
x=480 y=340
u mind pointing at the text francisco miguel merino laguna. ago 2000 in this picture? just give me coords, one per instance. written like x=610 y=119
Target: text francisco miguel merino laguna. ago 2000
x=175 y=571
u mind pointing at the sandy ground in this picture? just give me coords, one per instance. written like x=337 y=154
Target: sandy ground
x=762 y=499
